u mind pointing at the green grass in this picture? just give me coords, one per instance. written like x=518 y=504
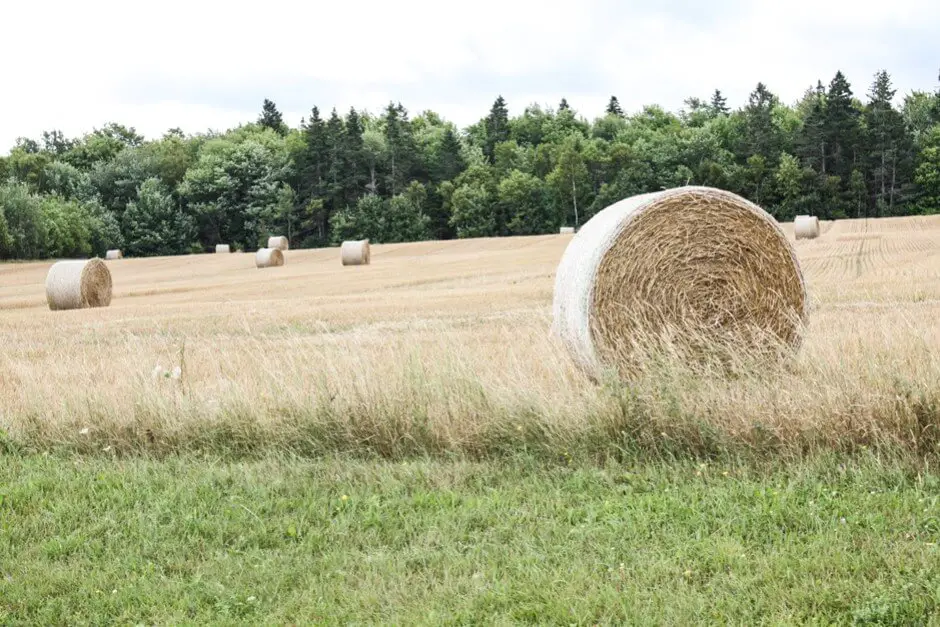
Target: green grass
x=94 y=540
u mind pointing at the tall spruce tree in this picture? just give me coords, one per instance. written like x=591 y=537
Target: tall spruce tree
x=841 y=129
x=355 y=171
x=613 y=107
x=889 y=146
x=400 y=148
x=312 y=166
x=719 y=103
x=497 y=128
x=271 y=118
x=761 y=136
x=811 y=142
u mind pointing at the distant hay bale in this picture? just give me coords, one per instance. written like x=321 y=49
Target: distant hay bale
x=694 y=264
x=269 y=257
x=280 y=242
x=566 y=230
x=222 y=248
x=806 y=227
x=78 y=284
x=356 y=253
x=114 y=254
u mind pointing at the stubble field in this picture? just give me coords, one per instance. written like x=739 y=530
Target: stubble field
x=404 y=443
x=444 y=347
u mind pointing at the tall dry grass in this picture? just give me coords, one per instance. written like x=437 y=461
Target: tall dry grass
x=444 y=348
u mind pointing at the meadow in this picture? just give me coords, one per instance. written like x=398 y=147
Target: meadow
x=405 y=443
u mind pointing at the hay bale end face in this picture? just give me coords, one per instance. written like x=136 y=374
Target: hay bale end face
x=78 y=284
x=269 y=258
x=356 y=253
x=693 y=264
x=222 y=248
x=114 y=254
x=280 y=242
x=806 y=227
x=566 y=230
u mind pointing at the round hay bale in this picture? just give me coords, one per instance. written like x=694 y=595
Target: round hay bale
x=269 y=257
x=114 y=254
x=694 y=264
x=280 y=242
x=78 y=284
x=806 y=227
x=356 y=253
x=566 y=230
x=222 y=248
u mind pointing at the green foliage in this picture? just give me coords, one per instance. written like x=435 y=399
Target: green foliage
x=154 y=224
x=829 y=155
x=523 y=201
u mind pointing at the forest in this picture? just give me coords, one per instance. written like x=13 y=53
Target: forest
x=394 y=177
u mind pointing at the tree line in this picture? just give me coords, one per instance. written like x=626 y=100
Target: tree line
x=391 y=177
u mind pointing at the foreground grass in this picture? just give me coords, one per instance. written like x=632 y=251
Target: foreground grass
x=90 y=540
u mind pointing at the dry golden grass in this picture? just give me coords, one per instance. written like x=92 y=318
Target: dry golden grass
x=445 y=347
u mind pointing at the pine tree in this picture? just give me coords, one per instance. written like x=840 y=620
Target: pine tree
x=497 y=127
x=312 y=167
x=355 y=170
x=449 y=161
x=613 y=107
x=841 y=128
x=762 y=137
x=719 y=103
x=271 y=118
x=400 y=147
x=335 y=150
x=811 y=143
x=889 y=146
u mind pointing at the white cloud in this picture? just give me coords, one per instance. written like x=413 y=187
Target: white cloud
x=155 y=65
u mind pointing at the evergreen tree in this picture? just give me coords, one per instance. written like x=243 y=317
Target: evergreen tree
x=400 y=148
x=613 y=107
x=841 y=129
x=761 y=136
x=312 y=166
x=354 y=173
x=889 y=145
x=719 y=103
x=449 y=162
x=271 y=118
x=497 y=127
x=811 y=143
x=335 y=159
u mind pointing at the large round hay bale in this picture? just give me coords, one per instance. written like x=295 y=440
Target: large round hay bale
x=806 y=227
x=566 y=230
x=114 y=254
x=269 y=257
x=78 y=284
x=222 y=248
x=280 y=242
x=695 y=265
x=356 y=253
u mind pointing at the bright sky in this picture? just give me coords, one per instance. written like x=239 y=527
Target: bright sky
x=198 y=64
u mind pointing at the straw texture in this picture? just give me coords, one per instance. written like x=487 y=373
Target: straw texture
x=566 y=230
x=689 y=263
x=806 y=227
x=280 y=242
x=78 y=284
x=222 y=248
x=356 y=253
x=269 y=257
x=114 y=254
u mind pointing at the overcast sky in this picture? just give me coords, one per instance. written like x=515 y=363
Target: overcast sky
x=75 y=65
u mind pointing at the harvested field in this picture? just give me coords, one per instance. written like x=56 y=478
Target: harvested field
x=445 y=346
